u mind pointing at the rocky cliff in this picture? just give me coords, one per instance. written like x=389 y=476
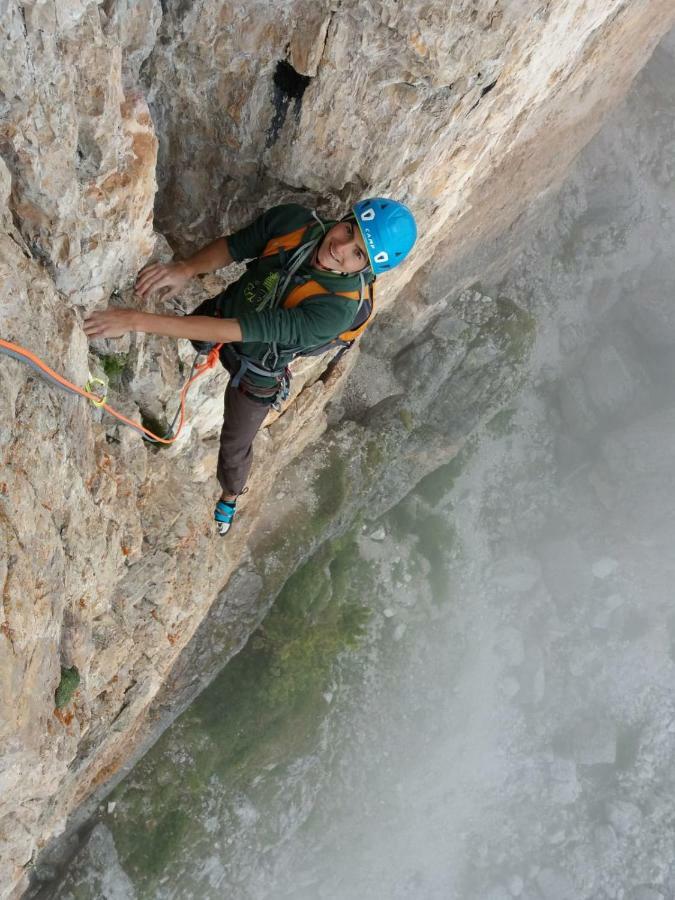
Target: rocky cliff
x=128 y=129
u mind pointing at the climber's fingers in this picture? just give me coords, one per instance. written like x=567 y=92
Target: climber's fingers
x=109 y=323
x=162 y=275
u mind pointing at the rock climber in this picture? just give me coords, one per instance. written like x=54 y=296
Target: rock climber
x=307 y=288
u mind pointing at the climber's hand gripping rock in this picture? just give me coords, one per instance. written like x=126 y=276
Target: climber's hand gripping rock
x=110 y=323
x=168 y=278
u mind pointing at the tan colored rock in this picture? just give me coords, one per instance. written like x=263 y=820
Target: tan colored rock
x=308 y=43
x=132 y=25
x=81 y=153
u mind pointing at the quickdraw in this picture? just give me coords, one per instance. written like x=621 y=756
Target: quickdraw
x=90 y=388
x=22 y=355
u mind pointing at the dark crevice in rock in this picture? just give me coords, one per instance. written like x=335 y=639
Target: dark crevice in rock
x=290 y=82
x=88 y=153
x=485 y=90
x=488 y=88
x=289 y=85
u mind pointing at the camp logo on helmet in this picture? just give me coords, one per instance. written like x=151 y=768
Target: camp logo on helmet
x=368 y=215
x=368 y=235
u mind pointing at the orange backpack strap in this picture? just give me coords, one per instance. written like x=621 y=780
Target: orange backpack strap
x=313 y=289
x=286 y=241
x=349 y=336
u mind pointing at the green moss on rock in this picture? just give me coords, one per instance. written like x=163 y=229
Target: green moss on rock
x=517 y=329
x=406 y=417
x=511 y=329
x=434 y=486
x=331 y=488
x=156 y=426
x=70 y=681
x=373 y=458
x=436 y=537
x=113 y=366
x=262 y=711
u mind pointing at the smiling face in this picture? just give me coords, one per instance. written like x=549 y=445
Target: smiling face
x=342 y=249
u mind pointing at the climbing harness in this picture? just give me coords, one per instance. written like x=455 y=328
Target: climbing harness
x=22 y=355
x=238 y=364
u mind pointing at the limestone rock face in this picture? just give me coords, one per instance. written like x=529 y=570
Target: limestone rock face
x=447 y=107
x=212 y=112
x=82 y=152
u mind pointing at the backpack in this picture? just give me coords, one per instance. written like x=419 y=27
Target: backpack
x=286 y=246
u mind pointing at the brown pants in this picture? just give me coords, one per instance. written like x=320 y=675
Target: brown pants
x=243 y=417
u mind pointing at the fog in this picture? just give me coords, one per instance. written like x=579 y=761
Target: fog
x=506 y=725
x=523 y=743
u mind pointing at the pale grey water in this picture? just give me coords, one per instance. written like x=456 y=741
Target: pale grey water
x=505 y=726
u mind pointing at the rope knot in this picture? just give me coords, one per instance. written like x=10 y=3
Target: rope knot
x=213 y=357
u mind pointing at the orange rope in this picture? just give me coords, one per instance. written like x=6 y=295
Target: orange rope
x=17 y=351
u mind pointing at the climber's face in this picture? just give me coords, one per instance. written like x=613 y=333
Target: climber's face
x=342 y=249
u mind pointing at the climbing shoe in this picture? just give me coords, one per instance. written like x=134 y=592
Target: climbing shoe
x=224 y=514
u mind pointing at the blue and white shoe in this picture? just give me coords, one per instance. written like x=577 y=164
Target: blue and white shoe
x=224 y=514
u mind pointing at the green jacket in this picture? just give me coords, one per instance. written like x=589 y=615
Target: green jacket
x=314 y=322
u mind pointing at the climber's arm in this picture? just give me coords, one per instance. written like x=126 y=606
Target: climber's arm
x=173 y=276
x=113 y=323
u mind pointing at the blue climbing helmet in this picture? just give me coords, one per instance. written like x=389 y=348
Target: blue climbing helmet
x=388 y=229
